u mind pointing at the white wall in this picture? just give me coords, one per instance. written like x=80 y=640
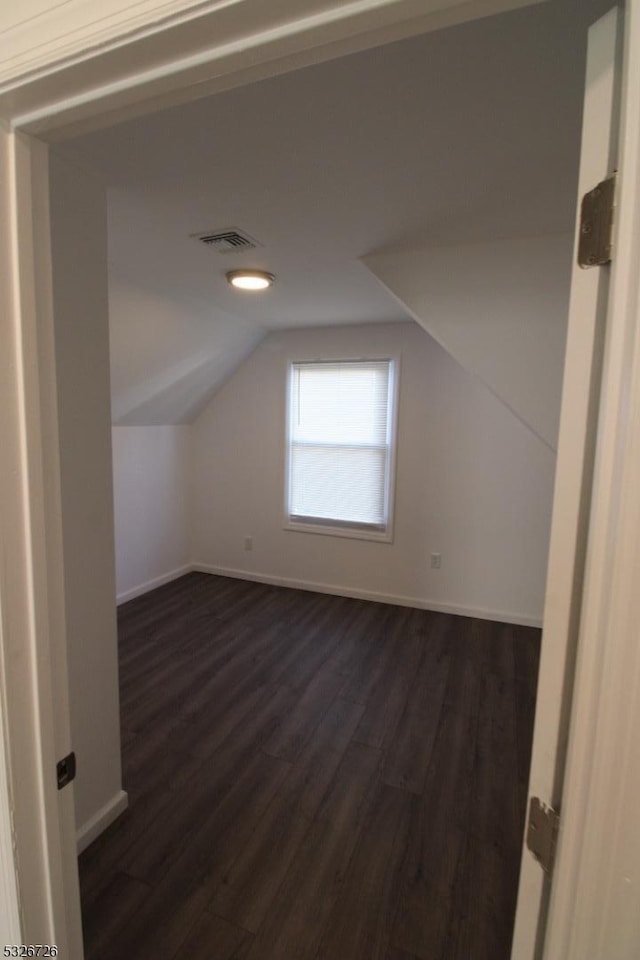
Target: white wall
x=472 y=483
x=150 y=466
x=79 y=250
x=500 y=308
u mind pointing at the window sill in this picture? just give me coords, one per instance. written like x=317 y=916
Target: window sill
x=350 y=533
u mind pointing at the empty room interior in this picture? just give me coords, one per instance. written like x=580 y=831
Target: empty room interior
x=306 y=527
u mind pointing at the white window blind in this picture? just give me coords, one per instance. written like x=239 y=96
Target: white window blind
x=340 y=421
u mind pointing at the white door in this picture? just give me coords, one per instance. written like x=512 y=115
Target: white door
x=586 y=339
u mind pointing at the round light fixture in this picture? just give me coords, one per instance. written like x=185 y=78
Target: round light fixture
x=250 y=279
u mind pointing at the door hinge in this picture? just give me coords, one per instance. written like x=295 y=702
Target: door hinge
x=66 y=770
x=542 y=833
x=596 y=224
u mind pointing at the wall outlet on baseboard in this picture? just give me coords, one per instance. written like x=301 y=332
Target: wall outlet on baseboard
x=248 y=543
x=436 y=561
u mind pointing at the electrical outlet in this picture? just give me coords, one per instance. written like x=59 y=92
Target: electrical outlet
x=436 y=561
x=248 y=543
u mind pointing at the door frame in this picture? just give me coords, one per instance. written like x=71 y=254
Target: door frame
x=598 y=864
x=593 y=907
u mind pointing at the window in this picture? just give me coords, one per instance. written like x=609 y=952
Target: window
x=340 y=446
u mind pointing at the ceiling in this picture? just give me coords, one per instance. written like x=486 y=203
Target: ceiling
x=462 y=135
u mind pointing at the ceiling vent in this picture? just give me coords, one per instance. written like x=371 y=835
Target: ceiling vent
x=227 y=241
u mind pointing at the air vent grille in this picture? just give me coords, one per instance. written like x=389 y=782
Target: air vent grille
x=229 y=240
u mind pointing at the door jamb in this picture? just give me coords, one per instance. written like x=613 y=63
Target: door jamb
x=598 y=866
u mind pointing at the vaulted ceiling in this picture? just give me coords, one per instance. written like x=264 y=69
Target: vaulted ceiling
x=463 y=135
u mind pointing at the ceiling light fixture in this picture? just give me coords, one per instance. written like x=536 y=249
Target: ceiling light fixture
x=250 y=279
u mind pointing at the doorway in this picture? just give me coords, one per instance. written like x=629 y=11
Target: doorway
x=130 y=217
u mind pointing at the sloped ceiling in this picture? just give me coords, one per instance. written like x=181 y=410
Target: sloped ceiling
x=462 y=135
x=500 y=308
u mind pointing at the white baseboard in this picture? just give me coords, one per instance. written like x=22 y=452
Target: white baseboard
x=501 y=616
x=89 y=831
x=152 y=584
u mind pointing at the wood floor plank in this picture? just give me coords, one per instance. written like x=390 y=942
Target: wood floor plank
x=449 y=787
x=164 y=920
x=224 y=835
x=468 y=660
x=484 y=942
x=312 y=777
x=104 y=916
x=495 y=813
x=201 y=817
x=322 y=638
x=268 y=714
x=215 y=726
x=426 y=935
x=524 y=717
x=360 y=924
x=302 y=649
x=149 y=802
x=139 y=617
x=350 y=790
x=246 y=661
x=358 y=638
x=379 y=655
x=499 y=644
x=157 y=760
x=216 y=679
x=388 y=698
x=213 y=938
x=394 y=954
x=422 y=924
x=150 y=664
x=485 y=888
x=306 y=714
x=248 y=888
x=296 y=920
x=526 y=650
x=438 y=840
x=411 y=747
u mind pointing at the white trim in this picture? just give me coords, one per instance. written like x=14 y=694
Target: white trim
x=99 y=822
x=32 y=587
x=9 y=903
x=73 y=28
x=573 y=484
x=594 y=903
x=331 y=528
x=397 y=600
x=152 y=584
x=131 y=72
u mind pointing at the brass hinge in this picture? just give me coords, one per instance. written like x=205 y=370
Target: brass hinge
x=596 y=224
x=542 y=833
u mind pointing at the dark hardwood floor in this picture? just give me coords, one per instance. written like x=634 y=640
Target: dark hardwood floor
x=312 y=778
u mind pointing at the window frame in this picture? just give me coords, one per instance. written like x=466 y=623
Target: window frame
x=340 y=528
